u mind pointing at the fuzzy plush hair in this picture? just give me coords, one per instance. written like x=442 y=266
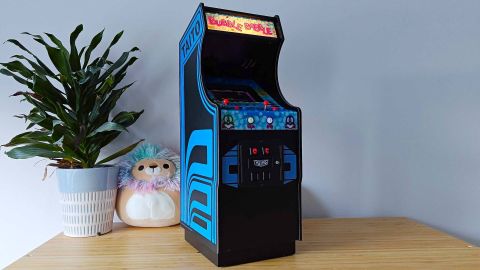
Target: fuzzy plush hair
x=149 y=151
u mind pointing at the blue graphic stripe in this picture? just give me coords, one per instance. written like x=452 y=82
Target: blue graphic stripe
x=200 y=179
x=212 y=110
x=203 y=172
x=230 y=159
x=198 y=22
x=183 y=169
x=203 y=138
x=197 y=176
x=289 y=157
x=203 y=188
x=227 y=177
x=205 y=232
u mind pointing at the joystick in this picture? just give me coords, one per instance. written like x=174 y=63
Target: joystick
x=265 y=104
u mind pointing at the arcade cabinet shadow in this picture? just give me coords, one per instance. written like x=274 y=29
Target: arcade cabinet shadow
x=240 y=140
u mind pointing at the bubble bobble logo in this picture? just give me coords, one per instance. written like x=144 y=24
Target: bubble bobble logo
x=242 y=25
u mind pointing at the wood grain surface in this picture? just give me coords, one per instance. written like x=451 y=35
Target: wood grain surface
x=366 y=243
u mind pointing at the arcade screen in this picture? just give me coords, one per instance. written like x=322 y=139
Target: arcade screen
x=234 y=96
x=243 y=94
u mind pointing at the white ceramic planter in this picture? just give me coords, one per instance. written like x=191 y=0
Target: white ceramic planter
x=87 y=198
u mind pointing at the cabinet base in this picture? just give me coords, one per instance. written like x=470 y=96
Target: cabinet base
x=234 y=257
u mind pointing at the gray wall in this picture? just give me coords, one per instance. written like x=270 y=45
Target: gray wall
x=390 y=92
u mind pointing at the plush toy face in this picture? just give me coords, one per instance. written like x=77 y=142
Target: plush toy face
x=146 y=169
x=149 y=182
x=149 y=168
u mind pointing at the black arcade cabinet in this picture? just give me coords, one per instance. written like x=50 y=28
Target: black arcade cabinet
x=240 y=140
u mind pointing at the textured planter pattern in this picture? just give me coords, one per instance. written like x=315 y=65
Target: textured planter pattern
x=88 y=213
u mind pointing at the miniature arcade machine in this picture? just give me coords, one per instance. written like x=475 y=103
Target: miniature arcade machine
x=240 y=140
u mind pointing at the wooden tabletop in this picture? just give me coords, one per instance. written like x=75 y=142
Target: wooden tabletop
x=369 y=243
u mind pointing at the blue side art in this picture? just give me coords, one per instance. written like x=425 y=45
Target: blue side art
x=230 y=159
x=197 y=178
x=290 y=158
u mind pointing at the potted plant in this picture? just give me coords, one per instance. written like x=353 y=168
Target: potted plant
x=71 y=122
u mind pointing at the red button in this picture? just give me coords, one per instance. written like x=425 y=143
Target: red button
x=226 y=101
x=265 y=104
x=267 y=150
x=254 y=150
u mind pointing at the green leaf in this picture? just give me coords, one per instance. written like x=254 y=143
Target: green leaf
x=36 y=150
x=67 y=117
x=106 y=86
x=117 y=64
x=42 y=106
x=108 y=104
x=57 y=55
x=18 y=44
x=37 y=117
x=93 y=44
x=59 y=60
x=17 y=66
x=108 y=126
x=57 y=42
x=38 y=70
x=70 y=95
x=21 y=93
x=40 y=63
x=74 y=57
x=70 y=152
x=38 y=39
x=44 y=88
x=16 y=77
x=95 y=110
x=82 y=50
x=101 y=140
x=114 y=41
x=91 y=72
x=120 y=74
x=127 y=119
x=119 y=153
x=29 y=137
x=58 y=132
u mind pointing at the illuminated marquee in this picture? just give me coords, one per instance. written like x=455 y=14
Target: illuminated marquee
x=242 y=25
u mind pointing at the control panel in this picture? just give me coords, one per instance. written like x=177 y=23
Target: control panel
x=261 y=165
x=258 y=119
x=253 y=164
x=246 y=106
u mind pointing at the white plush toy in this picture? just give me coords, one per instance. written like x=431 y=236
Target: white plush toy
x=149 y=185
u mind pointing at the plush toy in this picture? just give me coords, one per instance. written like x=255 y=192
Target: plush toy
x=149 y=184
